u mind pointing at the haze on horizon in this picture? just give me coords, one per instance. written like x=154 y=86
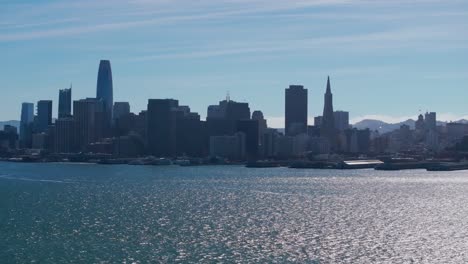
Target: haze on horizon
x=387 y=60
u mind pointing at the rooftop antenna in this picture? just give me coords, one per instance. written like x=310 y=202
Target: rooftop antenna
x=71 y=85
x=228 y=97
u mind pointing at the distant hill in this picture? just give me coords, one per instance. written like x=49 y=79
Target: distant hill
x=384 y=127
x=15 y=123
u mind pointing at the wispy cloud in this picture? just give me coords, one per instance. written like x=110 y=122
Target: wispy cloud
x=66 y=18
x=391 y=39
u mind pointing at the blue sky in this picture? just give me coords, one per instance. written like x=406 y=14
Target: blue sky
x=386 y=59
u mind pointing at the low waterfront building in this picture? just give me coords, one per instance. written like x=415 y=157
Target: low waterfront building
x=229 y=147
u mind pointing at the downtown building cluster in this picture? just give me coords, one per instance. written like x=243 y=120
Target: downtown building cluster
x=100 y=126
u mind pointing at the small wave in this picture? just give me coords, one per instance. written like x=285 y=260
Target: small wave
x=8 y=177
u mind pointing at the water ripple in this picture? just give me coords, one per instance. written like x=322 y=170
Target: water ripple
x=231 y=214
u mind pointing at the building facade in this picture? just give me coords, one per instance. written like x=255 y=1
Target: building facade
x=64 y=135
x=65 y=103
x=44 y=115
x=327 y=129
x=295 y=110
x=89 y=116
x=120 y=109
x=162 y=139
x=104 y=89
x=26 y=125
x=341 y=120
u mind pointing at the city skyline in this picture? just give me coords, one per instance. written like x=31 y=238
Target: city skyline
x=232 y=130
x=105 y=70
x=410 y=53
x=277 y=122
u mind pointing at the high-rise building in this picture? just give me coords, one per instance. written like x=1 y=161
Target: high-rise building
x=328 y=129
x=318 y=121
x=161 y=119
x=121 y=109
x=104 y=89
x=65 y=102
x=141 y=124
x=341 y=120
x=269 y=142
x=357 y=140
x=192 y=139
x=229 y=110
x=262 y=129
x=258 y=115
x=27 y=113
x=222 y=118
x=420 y=125
x=295 y=110
x=431 y=121
x=252 y=140
x=8 y=138
x=125 y=124
x=26 y=125
x=229 y=147
x=44 y=115
x=89 y=115
x=64 y=135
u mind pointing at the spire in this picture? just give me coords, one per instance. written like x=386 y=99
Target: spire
x=327 y=128
x=328 y=85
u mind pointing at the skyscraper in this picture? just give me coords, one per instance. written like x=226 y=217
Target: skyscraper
x=27 y=113
x=191 y=133
x=27 y=118
x=431 y=120
x=44 y=115
x=295 y=110
x=327 y=129
x=121 y=109
x=88 y=115
x=65 y=103
x=162 y=127
x=262 y=129
x=318 y=121
x=222 y=118
x=64 y=135
x=229 y=110
x=341 y=120
x=104 y=89
x=252 y=140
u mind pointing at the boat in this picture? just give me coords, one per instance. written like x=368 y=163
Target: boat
x=312 y=165
x=394 y=166
x=358 y=164
x=448 y=166
x=182 y=162
x=161 y=162
x=113 y=161
x=263 y=164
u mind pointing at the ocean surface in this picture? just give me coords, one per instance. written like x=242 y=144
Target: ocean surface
x=85 y=213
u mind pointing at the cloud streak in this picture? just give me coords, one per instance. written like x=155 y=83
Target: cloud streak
x=118 y=15
x=407 y=37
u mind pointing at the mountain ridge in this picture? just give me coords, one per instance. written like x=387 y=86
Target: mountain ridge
x=384 y=127
x=14 y=123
